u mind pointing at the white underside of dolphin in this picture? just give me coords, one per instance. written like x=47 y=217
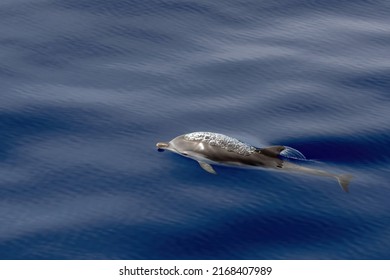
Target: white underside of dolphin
x=209 y=148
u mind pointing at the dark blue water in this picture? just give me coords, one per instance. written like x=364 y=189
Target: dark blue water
x=89 y=87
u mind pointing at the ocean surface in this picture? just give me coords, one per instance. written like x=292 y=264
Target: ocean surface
x=88 y=87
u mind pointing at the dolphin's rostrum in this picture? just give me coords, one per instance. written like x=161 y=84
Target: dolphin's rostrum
x=213 y=148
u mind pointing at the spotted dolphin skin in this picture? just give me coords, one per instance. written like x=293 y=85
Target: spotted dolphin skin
x=209 y=148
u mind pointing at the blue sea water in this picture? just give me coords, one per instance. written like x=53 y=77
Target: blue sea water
x=88 y=87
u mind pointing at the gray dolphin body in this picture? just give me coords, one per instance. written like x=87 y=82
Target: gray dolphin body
x=213 y=148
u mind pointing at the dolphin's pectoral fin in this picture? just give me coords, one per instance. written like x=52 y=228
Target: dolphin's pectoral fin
x=207 y=167
x=344 y=180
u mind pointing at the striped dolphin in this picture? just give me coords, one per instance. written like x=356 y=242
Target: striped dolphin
x=209 y=148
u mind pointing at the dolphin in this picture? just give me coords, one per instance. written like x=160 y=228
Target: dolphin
x=209 y=148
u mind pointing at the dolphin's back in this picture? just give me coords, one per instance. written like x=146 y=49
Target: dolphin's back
x=222 y=141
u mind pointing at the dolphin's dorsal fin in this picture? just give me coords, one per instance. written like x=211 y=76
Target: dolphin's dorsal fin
x=207 y=167
x=272 y=151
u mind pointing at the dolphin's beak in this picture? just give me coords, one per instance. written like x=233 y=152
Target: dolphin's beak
x=162 y=146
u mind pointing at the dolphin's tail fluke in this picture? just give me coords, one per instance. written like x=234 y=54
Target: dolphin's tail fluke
x=344 y=180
